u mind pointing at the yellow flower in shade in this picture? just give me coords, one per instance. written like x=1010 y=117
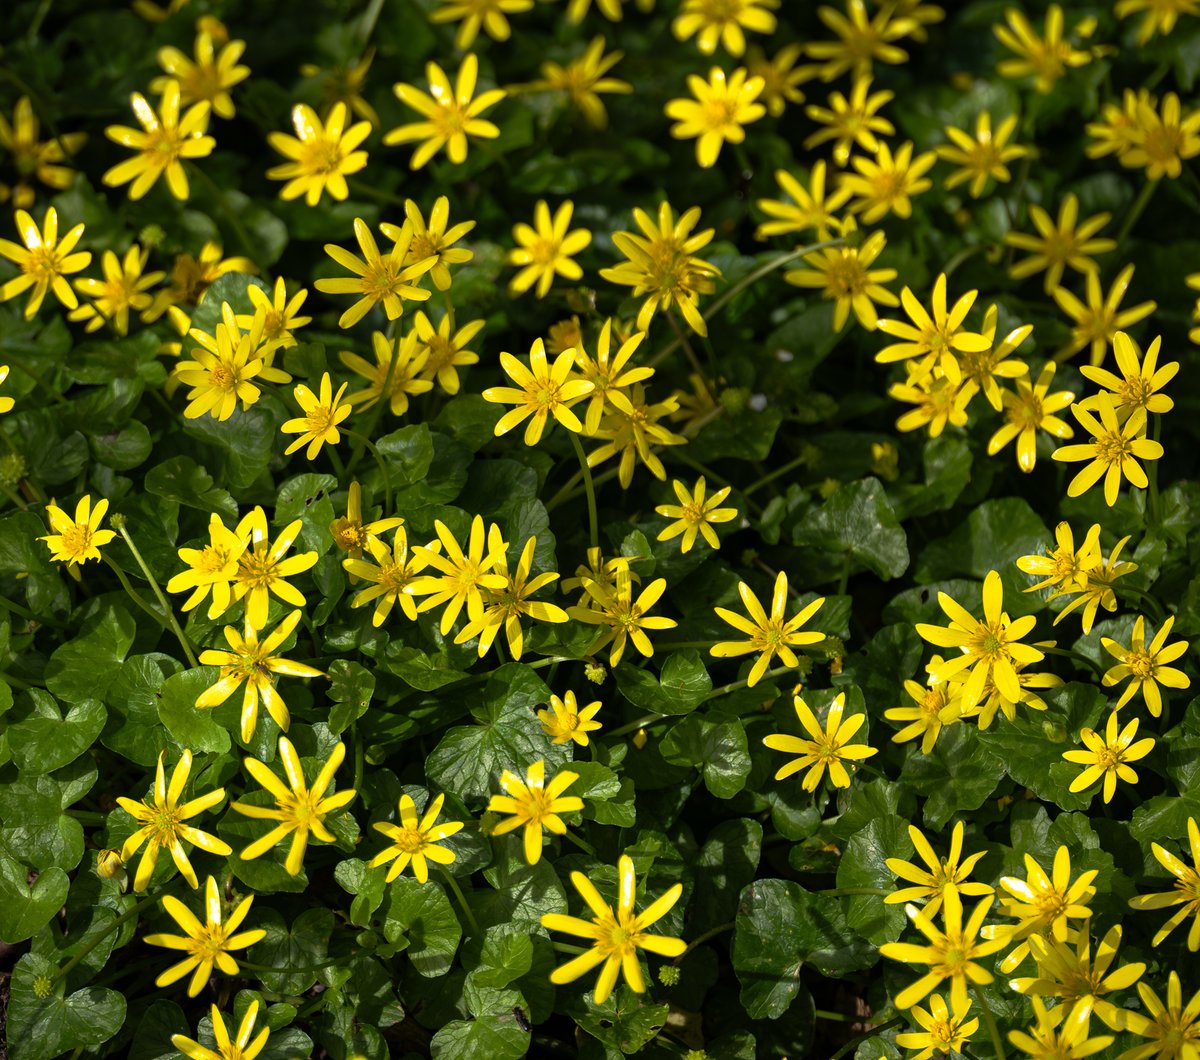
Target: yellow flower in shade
x=1173 y=1029
x=990 y=649
x=935 y=706
x=931 y=883
x=546 y=249
x=1027 y=410
x=322 y=414
x=942 y=1032
x=163 y=824
x=191 y=277
x=951 y=954
x=1114 y=450
x=1114 y=133
x=1144 y=665
x=827 y=748
x=462 y=574
x=415 y=840
x=1095 y=587
x=1163 y=139
x=1063 y=566
x=239 y=1048
x=503 y=608
x=632 y=433
x=1139 y=385
x=124 y=288
x=885 y=184
x=474 y=15
x=583 y=80
x=626 y=618
x=1158 y=16
x=320 y=156
x=211 y=569
x=452 y=115
x=810 y=209
x=252 y=662
x=844 y=276
x=445 y=349
x=534 y=804
x=263 y=570
x=610 y=9
x=545 y=390
x=719 y=111
x=378 y=280
x=597 y=570
x=1060 y=243
x=1097 y=323
x=780 y=76
x=208 y=77
x=662 y=264
x=983 y=156
x=45 y=261
x=608 y=374
x=615 y=936
x=350 y=533
x=344 y=84
x=770 y=635
x=399 y=368
x=862 y=40
x=977 y=370
x=390 y=575
x=206 y=944
x=77 y=540
x=1107 y=756
x=934 y=337
x=694 y=514
x=714 y=22
x=299 y=809
x=1046 y=58
x=567 y=722
x=1186 y=892
x=851 y=121
x=163 y=142
x=1061 y=1033
x=280 y=316
x=45 y=160
x=432 y=247
x=937 y=401
x=1043 y=903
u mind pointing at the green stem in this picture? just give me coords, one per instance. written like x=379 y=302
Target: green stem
x=844 y=578
x=702 y=938
x=228 y=212
x=135 y=596
x=791 y=465
x=462 y=902
x=339 y=466
x=682 y=339
x=1135 y=211
x=360 y=755
x=834 y=1017
x=367 y=26
x=1066 y=653
x=380 y=463
x=849 y=1048
x=120 y=921
x=162 y=600
x=87 y=816
x=14 y=608
x=566 y=947
x=990 y=1020
x=599 y=480
x=15 y=682
x=633 y=726
x=1144 y=597
x=385 y=395
x=724 y=690
x=590 y=488
x=15 y=498
x=580 y=842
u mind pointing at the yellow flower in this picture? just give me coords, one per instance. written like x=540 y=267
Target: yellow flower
x=1145 y=665
x=977 y=369
x=934 y=338
x=780 y=77
x=1063 y=565
x=1029 y=410
x=627 y=619
x=694 y=514
x=951 y=954
x=1174 y=1030
x=937 y=401
x=844 y=276
x=322 y=414
x=1160 y=17
x=932 y=883
x=935 y=706
x=714 y=22
x=545 y=390
x=608 y=374
x=615 y=937
x=1061 y=1033
x=810 y=208
x=445 y=349
x=610 y=9
x=432 y=248
x=415 y=840
x=35 y=158
x=1107 y=756
x=208 y=78
x=479 y=14
x=1097 y=323
x=568 y=723
x=77 y=540
x=718 y=112
x=1045 y=58
x=1060 y=243
x=662 y=264
x=1186 y=892
x=851 y=121
x=123 y=288
x=632 y=433
x=770 y=635
x=252 y=662
x=463 y=574
x=1044 y=903
x=993 y=701
x=207 y=944
x=942 y=1033
x=1162 y=140
x=163 y=827
x=350 y=533
x=1114 y=133
x=991 y=649
x=163 y=141
x=211 y=569
x=451 y=114
x=7 y=404
x=534 y=805
x=885 y=183
x=983 y=156
x=192 y=276
x=402 y=379
x=344 y=84
x=380 y=280
x=262 y=569
x=1139 y=385
x=503 y=607
x=546 y=249
x=1114 y=450
x=861 y=42
x=299 y=809
x=320 y=156
x=597 y=570
x=44 y=261
x=389 y=575
x=583 y=80
x=826 y=749
x=239 y=1048
x=280 y=316
x=1095 y=586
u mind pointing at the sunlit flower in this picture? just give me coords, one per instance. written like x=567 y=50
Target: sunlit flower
x=983 y=156
x=398 y=369
x=608 y=373
x=862 y=40
x=1162 y=140
x=1173 y=1029
x=931 y=883
x=1027 y=410
x=415 y=840
x=694 y=514
x=936 y=400
x=1060 y=1033
x=546 y=249
x=379 y=280
x=626 y=618
x=1060 y=243
x=75 y=541
x=1094 y=588
x=533 y=805
x=45 y=261
x=942 y=1032
x=567 y=722
x=1144 y=665
x=1045 y=58
x=211 y=569
x=631 y=435
x=44 y=159
x=322 y=414
x=320 y=156
x=714 y=22
x=543 y=391
x=208 y=77
x=1186 y=892
x=810 y=208
x=390 y=574
x=770 y=635
x=935 y=706
x=885 y=184
x=445 y=348
x=191 y=277
x=610 y=9
x=934 y=337
x=124 y=288
x=350 y=533
x=1107 y=757
x=1139 y=386
x=826 y=748
x=1062 y=566
x=845 y=277
x=162 y=143
x=462 y=575
x=1114 y=450
x=433 y=244
x=1044 y=903
x=263 y=570
x=718 y=112
x=474 y=15
x=280 y=316
x=583 y=80
x=1097 y=323
x=239 y=1048
x=851 y=121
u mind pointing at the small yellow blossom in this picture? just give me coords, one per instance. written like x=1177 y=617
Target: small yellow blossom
x=1186 y=892
x=626 y=618
x=1063 y=566
x=1046 y=58
x=445 y=349
x=534 y=804
x=45 y=261
x=1060 y=243
x=1061 y=1033
x=1145 y=666
x=239 y=1048
x=810 y=209
x=322 y=414
x=934 y=337
x=320 y=156
x=124 y=288
x=1027 y=410
x=191 y=277
x=718 y=113
x=862 y=40
x=77 y=540
x=714 y=22
x=1114 y=450
x=432 y=247
x=399 y=369
x=885 y=184
x=935 y=706
x=162 y=143
x=694 y=514
x=1173 y=1029
x=942 y=1033
x=280 y=316
x=826 y=748
x=931 y=883
x=937 y=401
x=44 y=159
x=545 y=390
x=350 y=533
x=208 y=77
x=1044 y=902
x=631 y=434
x=1139 y=385
x=380 y=280
x=1162 y=140
x=390 y=575
x=1158 y=16
x=463 y=574
x=983 y=156
x=1097 y=322
x=609 y=375
x=474 y=15
x=851 y=121
x=211 y=569
x=780 y=76
x=1095 y=586
x=844 y=276
x=583 y=80
x=567 y=722
x=546 y=249
x=415 y=841
x=1107 y=757
x=263 y=570
x=769 y=635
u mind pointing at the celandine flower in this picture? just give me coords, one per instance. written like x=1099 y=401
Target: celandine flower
x=463 y=573
x=935 y=337
x=445 y=349
x=380 y=280
x=350 y=533
x=534 y=804
x=211 y=569
x=770 y=635
x=1173 y=1029
x=886 y=183
x=546 y=249
x=1113 y=452
x=942 y=1032
x=263 y=570
x=322 y=414
x=474 y=15
x=935 y=706
x=415 y=841
x=862 y=40
x=206 y=79
x=568 y=722
x=239 y=1048
x=1107 y=756
x=694 y=514
x=625 y=617
x=714 y=22
x=718 y=112
x=44 y=261
x=1186 y=892
x=545 y=390
x=1028 y=410
x=1061 y=1033
x=1060 y=243
x=1044 y=902
x=1139 y=385
x=399 y=368
x=608 y=373
x=77 y=540
x=1045 y=58
x=124 y=288
x=810 y=209
x=930 y=884
x=34 y=157
x=826 y=748
x=851 y=121
x=1145 y=665
x=281 y=316
x=1096 y=323
x=320 y=156
x=583 y=80
x=390 y=575
x=983 y=156
x=844 y=276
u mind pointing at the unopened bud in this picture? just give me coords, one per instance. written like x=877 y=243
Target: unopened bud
x=668 y=975
x=640 y=738
x=12 y=468
x=109 y=864
x=151 y=236
x=734 y=399
x=595 y=672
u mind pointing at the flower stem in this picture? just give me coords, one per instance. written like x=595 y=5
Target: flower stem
x=14 y=608
x=702 y=938
x=990 y=1020
x=1152 y=475
x=135 y=596
x=724 y=690
x=1135 y=211
x=590 y=488
x=385 y=395
x=791 y=465
x=1145 y=598
x=380 y=463
x=462 y=902
x=162 y=600
x=583 y=844
x=1077 y=656
x=844 y=579
x=633 y=726
x=120 y=921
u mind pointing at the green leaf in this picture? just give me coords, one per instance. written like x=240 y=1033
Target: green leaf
x=45 y=740
x=133 y=728
x=408 y=454
x=958 y=776
x=231 y=287
x=183 y=481
x=366 y=884
x=493 y=1037
x=295 y=950
x=717 y=748
x=727 y=862
x=247 y=439
x=863 y=865
x=350 y=687
x=419 y=670
x=681 y=688
x=44 y=1027
x=152 y=1040
x=423 y=915
x=89 y=662
x=626 y=1021
x=25 y=908
x=189 y=725
x=858 y=521
x=122 y=449
x=33 y=827
x=504 y=955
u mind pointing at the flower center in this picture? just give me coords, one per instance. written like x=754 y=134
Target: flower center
x=319 y=420
x=43 y=264
x=845 y=276
x=77 y=539
x=222 y=376
x=410 y=841
x=932 y=703
x=321 y=156
x=1135 y=392
x=256 y=569
x=1027 y=413
x=394 y=578
x=212 y=560
x=1112 y=447
x=424 y=246
x=347 y=535
x=164 y=142
x=1141 y=663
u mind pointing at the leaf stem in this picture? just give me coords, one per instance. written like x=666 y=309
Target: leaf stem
x=1152 y=475
x=1144 y=597
x=379 y=463
x=990 y=1020
x=14 y=608
x=590 y=488
x=703 y=937
x=582 y=843
x=462 y=902
x=633 y=726
x=791 y=465
x=1135 y=211
x=724 y=690
x=1066 y=653
x=162 y=600
x=120 y=921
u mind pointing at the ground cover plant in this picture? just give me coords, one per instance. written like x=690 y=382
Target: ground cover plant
x=655 y=527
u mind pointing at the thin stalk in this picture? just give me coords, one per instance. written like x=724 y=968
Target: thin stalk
x=844 y=892
x=120 y=921
x=359 y=756
x=566 y=947
x=462 y=902
x=380 y=463
x=702 y=938
x=724 y=690
x=385 y=395
x=1142 y=597
x=849 y=1048
x=580 y=842
x=367 y=26
x=990 y=1020
x=1135 y=211
x=598 y=480
x=780 y=471
x=13 y=497
x=682 y=340
x=15 y=682
x=633 y=726
x=590 y=488
x=834 y=1017
x=135 y=596
x=14 y=608
x=162 y=600
x=1066 y=653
